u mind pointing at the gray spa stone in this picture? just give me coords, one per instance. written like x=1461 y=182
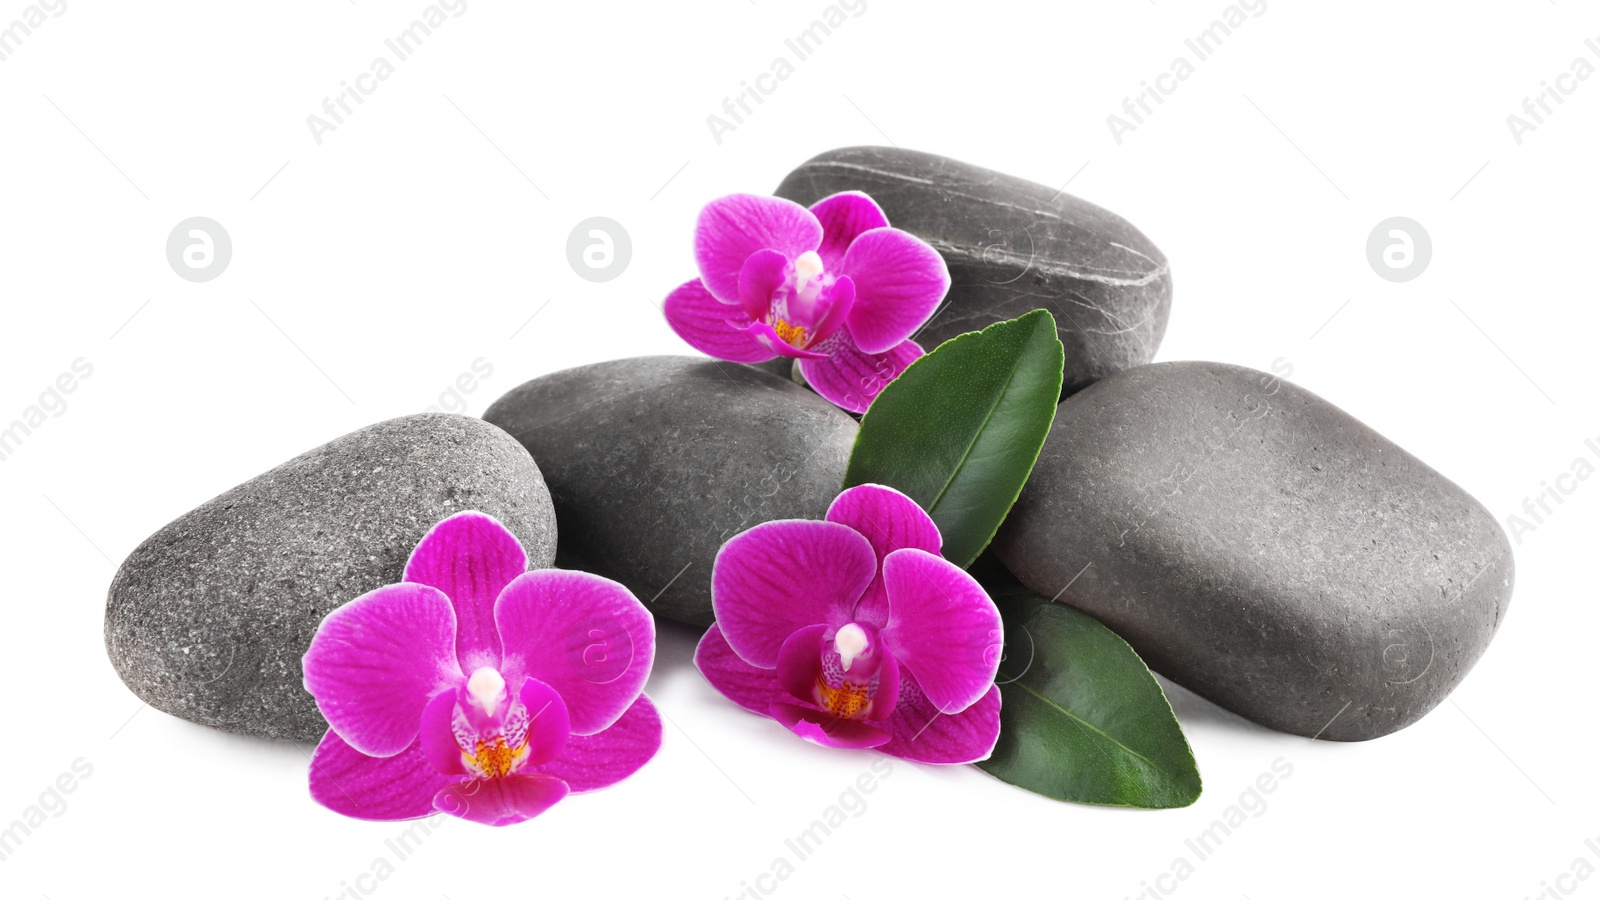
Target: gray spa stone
x=783 y=367
x=208 y=619
x=1013 y=246
x=654 y=462
x=1261 y=547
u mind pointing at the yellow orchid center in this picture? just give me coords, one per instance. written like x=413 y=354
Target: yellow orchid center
x=793 y=335
x=847 y=701
x=495 y=758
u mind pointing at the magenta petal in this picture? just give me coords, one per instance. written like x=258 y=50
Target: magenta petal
x=750 y=687
x=851 y=379
x=888 y=695
x=828 y=313
x=891 y=521
x=376 y=661
x=899 y=283
x=471 y=557
x=844 y=217
x=797 y=662
x=548 y=721
x=585 y=636
x=763 y=334
x=763 y=273
x=501 y=801
x=942 y=626
x=604 y=758
x=714 y=328
x=923 y=734
x=438 y=741
x=732 y=228
x=827 y=729
x=779 y=577
x=353 y=784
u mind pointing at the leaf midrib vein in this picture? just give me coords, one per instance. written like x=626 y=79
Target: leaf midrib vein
x=977 y=433
x=1086 y=724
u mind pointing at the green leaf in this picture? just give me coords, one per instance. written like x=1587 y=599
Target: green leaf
x=1081 y=717
x=960 y=429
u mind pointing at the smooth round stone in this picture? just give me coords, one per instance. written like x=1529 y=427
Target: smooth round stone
x=209 y=618
x=783 y=367
x=1013 y=246
x=1261 y=547
x=654 y=462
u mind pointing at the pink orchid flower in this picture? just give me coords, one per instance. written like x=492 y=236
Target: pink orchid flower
x=833 y=287
x=479 y=688
x=854 y=632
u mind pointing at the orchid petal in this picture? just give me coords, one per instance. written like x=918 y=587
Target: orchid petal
x=891 y=521
x=821 y=727
x=438 y=740
x=798 y=659
x=781 y=576
x=606 y=757
x=942 y=626
x=923 y=734
x=849 y=378
x=762 y=274
x=585 y=636
x=501 y=801
x=382 y=789
x=732 y=228
x=888 y=694
x=470 y=557
x=750 y=687
x=825 y=315
x=844 y=217
x=376 y=661
x=714 y=328
x=548 y=722
x=899 y=283
x=832 y=309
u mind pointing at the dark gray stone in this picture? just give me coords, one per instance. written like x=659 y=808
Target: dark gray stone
x=209 y=618
x=783 y=367
x=654 y=462
x=1013 y=246
x=1261 y=547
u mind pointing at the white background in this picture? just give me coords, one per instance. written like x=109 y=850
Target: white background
x=370 y=271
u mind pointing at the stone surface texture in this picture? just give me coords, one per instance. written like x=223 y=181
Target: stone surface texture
x=1013 y=246
x=1261 y=547
x=209 y=618
x=654 y=462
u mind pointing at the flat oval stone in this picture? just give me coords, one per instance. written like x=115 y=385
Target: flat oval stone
x=1013 y=246
x=209 y=618
x=654 y=462
x=1261 y=547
